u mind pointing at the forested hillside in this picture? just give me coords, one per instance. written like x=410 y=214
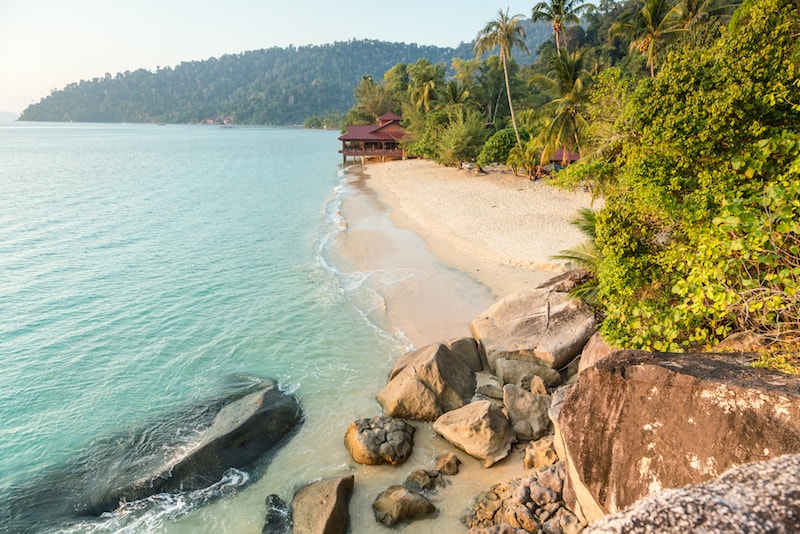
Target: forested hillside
x=268 y=86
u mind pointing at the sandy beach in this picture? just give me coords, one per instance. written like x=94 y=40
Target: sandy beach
x=429 y=249
x=499 y=228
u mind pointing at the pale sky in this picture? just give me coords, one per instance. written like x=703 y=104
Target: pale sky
x=47 y=44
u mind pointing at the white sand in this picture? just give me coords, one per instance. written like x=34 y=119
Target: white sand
x=499 y=228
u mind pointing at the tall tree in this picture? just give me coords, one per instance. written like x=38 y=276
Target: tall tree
x=505 y=33
x=655 y=25
x=568 y=81
x=560 y=13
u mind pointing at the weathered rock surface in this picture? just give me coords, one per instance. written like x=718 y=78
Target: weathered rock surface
x=398 y=504
x=638 y=423
x=432 y=381
x=524 y=374
x=595 y=350
x=423 y=480
x=321 y=507
x=566 y=282
x=539 y=325
x=279 y=516
x=480 y=429
x=527 y=412
x=380 y=440
x=530 y=504
x=540 y=453
x=757 y=498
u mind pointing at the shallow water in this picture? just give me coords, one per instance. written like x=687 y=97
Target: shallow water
x=144 y=269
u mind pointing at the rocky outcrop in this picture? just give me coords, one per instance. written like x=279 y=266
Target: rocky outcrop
x=527 y=413
x=480 y=429
x=380 y=440
x=637 y=423
x=321 y=507
x=595 y=350
x=540 y=326
x=430 y=382
x=757 y=498
x=398 y=504
x=531 y=504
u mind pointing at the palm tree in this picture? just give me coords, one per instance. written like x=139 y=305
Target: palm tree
x=504 y=33
x=657 y=23
x=560 y=13
x=568 y=81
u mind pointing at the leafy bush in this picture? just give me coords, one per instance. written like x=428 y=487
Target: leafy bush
x=699 y=236
x=498 y=146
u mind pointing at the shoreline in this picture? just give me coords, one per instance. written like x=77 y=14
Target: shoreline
x=426 y=266
x=500 y=229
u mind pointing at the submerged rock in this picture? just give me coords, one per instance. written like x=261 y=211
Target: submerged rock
x=235 y=434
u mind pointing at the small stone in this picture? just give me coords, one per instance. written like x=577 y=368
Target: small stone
x=540 y=453
x=423 y=480
x=447 y=464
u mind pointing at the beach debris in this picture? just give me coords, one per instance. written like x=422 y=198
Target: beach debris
x=481 y=429
x=430 y=382
x=400 y=504
x=527 y=413
x=530 y=504
x=322 y=507
x=541 y=326
x=380 y=440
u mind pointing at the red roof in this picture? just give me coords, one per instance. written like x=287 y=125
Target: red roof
x=373 y=132
x=558 y=156
x=388 y=117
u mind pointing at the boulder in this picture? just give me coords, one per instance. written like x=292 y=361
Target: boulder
x=637 y=423
x=398 y=503
x=489 y=386
x=595 y=350
x=757 y=498
x=321 y=507
x=527 y=412
x=523 y=374
x=447 y=464
x=466 y=350
x=279 y=516
x=432 y=382
x=380 y=440
x=480 y=429
x=539 y=325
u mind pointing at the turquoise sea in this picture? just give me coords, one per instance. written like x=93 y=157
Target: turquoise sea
x=146 y=268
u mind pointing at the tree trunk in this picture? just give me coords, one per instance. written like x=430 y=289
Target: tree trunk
x=510 y=105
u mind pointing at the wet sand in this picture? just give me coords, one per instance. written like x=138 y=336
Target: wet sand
x=429 y=249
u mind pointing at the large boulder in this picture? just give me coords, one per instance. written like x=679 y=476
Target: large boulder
x=637 y=423
x=432 y=381
x=380 y=440
x=480 y=429
x=398 y=504
x=539 y=325
x=527 y=412
x=757 y=498
x=321 y=507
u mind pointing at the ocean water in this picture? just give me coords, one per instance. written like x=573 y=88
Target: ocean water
x=145 y=269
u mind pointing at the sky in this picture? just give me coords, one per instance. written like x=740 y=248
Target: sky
x=47 y=44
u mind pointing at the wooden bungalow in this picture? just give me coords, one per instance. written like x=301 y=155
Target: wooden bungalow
x=373 y=141
x=564 y=157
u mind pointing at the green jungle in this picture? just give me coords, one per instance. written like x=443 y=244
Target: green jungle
x=685 y=114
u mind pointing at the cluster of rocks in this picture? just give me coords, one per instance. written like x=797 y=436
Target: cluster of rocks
x=530 y=504
x=605 y=427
